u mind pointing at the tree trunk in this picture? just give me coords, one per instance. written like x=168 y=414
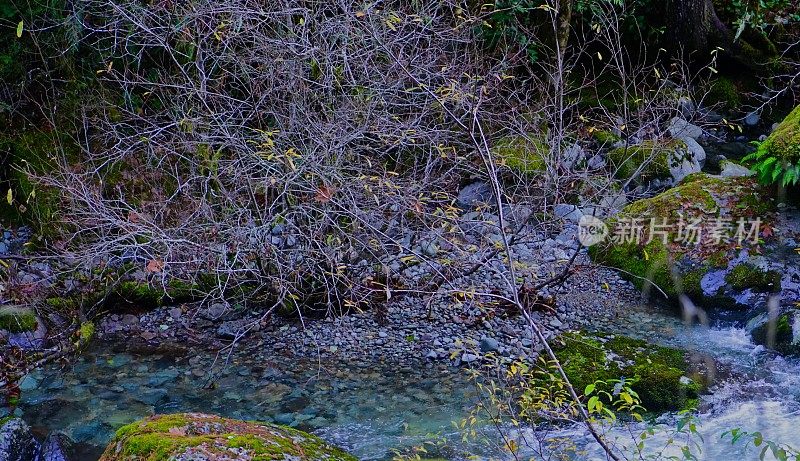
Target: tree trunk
x=695 y=30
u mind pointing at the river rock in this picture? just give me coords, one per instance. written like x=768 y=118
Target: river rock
x=474 y=194
x=196 y=436
x=57 y=447
x=16 y=441
x=488 y=344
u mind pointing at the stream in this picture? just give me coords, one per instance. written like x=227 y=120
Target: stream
x=372 y=411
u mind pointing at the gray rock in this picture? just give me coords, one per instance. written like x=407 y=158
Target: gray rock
x=214 y=311
x=57 y=447
x=474 y=194
x=568 y=212
x=596 y=162
x=17 y=442
x=176 y=313
x=572 y=155
x=734 y=170
x=468 y=358
x=488 y=344
x=679 y=128
x=697 y=151
x=752 y=119
x=430 y=248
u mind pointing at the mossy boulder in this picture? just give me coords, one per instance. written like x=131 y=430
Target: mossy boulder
x=780 y=333
x=17 y=319
x=522 y=154
x=679 y=266
x=201 y=436
x=654 y=160
x=723 y=92
x=784 y=142
x=747 y=276
x=660 y=375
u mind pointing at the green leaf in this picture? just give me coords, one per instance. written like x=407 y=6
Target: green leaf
x=589 y=389
x=19 y=29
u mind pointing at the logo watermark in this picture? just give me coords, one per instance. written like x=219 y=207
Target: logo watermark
x=592 y=231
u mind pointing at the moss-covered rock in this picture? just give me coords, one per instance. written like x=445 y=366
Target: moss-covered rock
x=679 y=266
x=778 y=333
x=653 y=160
x=523 y=154
x=784 y=142
x=747 y=276
x=659 y=374
x=723 y=92
x=200 y=436
x=17 y=319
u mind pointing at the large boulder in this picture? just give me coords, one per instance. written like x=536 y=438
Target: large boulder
x=190 y=436
x=16 y=441
x=693 y=261
x=660 y=161
x=784 y=142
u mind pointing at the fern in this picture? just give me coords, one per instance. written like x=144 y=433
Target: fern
x=772 y=170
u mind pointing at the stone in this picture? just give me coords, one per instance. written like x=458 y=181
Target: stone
x=430 y=248
x=679 y=128
x=57 y=447
x=468 y=357
x=488 y=344
x=17 y=442
x=185 y=436
x=176 y=313
x=752 y=119
x=568 y=212
x=734 y=170
x=214 y=311
x=474 y=194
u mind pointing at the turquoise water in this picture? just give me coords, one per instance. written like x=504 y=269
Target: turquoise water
x=372 y=410
x=369 y=410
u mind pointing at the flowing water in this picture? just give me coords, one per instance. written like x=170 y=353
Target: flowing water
x=372 y=410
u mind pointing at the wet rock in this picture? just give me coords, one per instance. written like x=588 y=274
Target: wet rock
x=57 y=447
x=16 y=441
x=752 y=119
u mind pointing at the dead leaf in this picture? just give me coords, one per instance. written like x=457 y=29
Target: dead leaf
x=155 y=265
x=324 y=194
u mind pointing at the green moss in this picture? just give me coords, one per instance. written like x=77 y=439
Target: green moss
x=747 y=276
x=17 y=319
x=605 y=138
x=784 y=142
x=522 y=154
x=86 y=332
x=167 y=436
x=655 y=370
x=704 y=198
x=656 y=158
x=724 y=93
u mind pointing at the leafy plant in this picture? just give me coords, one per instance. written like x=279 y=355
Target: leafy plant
x=771 y=169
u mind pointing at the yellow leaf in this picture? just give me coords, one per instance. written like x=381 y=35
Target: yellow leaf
x=10 y=197
x=19 y=29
